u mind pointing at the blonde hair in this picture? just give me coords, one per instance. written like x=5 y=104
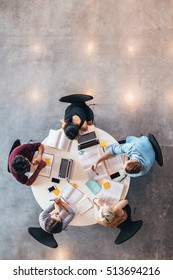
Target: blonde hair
x=107 y=214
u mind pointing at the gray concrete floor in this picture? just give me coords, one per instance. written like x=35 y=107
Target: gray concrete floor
x=122 y=53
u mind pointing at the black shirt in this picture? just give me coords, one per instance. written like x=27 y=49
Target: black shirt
x=81 y=110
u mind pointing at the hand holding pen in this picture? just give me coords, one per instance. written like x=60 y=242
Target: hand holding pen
x=94 y=168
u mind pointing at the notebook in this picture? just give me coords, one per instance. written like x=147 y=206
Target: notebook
x=84 y=205
x=93 y=186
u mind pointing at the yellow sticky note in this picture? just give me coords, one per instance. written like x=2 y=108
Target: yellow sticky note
x=56 y=191
x=47 y=160
x=102 y=144
x=106 y=185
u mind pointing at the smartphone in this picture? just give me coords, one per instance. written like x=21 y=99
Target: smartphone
x=55 y=180
x=115 y=175
x=51 y=189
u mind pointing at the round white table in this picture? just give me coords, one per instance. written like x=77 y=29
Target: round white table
x=78 y=177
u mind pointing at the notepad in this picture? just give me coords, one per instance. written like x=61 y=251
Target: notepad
x=106 y=185
x=93 y=186
x=46 y=171
x=71 y=195
x=84 y=205
x=56 y=191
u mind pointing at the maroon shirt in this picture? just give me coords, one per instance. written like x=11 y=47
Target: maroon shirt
x=26 y=150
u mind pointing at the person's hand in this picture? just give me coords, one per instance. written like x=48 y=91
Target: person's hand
x=57 y=200
x=42 y=164
x=36 y=160
x=94 y=166
x=96 y=201
x=62 y=120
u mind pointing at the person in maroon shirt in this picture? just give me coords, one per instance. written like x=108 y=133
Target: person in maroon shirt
x=20 y=161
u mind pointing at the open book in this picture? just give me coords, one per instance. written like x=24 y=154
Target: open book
x=88 y=158
x=46 y=171
x=112 y=194
x=57 y=139
x=71 y=195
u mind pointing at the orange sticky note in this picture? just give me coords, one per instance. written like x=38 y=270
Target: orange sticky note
x=73 y=185
x=56 y=191
x=47 y=160
x=106 y=185
x=102 y=144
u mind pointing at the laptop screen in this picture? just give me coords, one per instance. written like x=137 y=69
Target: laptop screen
x=87 y=137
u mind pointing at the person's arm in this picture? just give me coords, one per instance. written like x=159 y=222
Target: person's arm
x=105 y=156
x=69 y=218
x=89 y=122
x=63 y=123
x=37 y=159
x=84 y=127
x=34 y=176
x=119 y=206
x=62 y=203
x=119 y=149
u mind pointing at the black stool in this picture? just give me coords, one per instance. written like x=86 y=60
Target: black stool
x=157 y=149
x=76 y=98
x=15 y=144
x=43 y=237
x=128 y=227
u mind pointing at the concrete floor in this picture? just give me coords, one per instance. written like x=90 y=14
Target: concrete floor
x=122 y=53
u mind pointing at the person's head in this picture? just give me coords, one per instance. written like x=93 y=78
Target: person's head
x=20 y=164
x=53 y=223
x=71 y=131
x=132 y=166
x=107 y=214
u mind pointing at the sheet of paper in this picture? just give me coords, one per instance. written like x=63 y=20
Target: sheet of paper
x=113 y=194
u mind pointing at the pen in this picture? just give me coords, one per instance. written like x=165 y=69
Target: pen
x=51 y=199
x=94 y=170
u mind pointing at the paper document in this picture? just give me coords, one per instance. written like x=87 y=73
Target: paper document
x=46 y=171
x=114 y=164
x=112 y=194
x=88 y=158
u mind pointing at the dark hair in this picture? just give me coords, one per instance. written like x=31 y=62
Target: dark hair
x=20 y=165
x=53 y=226
x=133 y=167
x=71 y=131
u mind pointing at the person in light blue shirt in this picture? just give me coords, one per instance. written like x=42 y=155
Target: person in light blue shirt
x=139 y=151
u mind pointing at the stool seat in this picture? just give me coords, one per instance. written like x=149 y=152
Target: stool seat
x=76 y=98
x=157 y=149
x=43 y=237
x=128 y=228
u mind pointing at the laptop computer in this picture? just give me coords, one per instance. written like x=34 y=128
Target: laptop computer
x=87 y=140
x=65 y=168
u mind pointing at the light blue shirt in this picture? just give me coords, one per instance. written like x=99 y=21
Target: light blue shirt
x=138 y=148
